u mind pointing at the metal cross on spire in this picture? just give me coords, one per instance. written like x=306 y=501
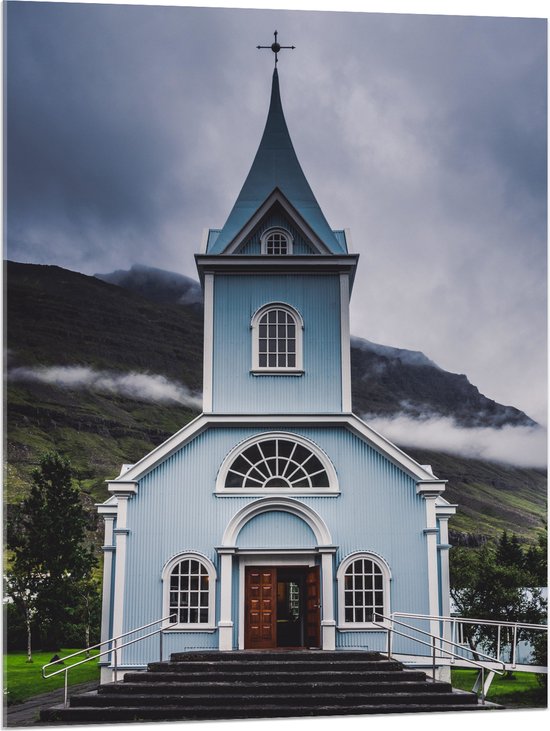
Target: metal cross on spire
x=276 y=47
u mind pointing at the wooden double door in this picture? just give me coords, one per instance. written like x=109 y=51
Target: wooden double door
x=282 y=607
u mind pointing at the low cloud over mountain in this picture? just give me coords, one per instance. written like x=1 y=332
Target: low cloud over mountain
x=524 y=446
x=139 y=386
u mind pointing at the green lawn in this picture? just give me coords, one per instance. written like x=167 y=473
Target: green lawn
x=522 y=690
x=22 y=680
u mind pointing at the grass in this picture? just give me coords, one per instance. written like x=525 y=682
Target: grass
x=24 y=680
x=520 y=690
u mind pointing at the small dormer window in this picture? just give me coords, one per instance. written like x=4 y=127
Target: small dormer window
x=276 y=242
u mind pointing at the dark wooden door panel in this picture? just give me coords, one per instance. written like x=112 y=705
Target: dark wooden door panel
x=313 y=607
x=260 y=608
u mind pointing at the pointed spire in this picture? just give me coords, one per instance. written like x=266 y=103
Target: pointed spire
x=276 y=166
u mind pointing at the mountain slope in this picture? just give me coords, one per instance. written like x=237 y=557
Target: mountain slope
x=94 y=370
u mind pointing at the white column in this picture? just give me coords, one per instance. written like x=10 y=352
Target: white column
x=443 y=547
x=225 y=624
x=444 y=563
x=431 y=546
x=328 y=623
x=121 y=533
x=108 y=550
x=107 y=599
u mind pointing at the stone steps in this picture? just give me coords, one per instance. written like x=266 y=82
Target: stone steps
x=237 y=688
x=232 y=685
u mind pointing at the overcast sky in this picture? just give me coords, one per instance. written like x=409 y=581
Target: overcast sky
x=132 y=128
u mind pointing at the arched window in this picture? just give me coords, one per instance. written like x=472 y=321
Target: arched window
x=189 y=592
x=276 y=242
x=276 y=463
x=363 y=591
x=277 y=340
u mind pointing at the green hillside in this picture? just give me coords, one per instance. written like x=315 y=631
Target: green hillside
x=60 y=318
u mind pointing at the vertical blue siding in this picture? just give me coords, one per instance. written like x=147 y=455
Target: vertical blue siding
x=236 y=299
x=176 y=510
x=276 y=529
x=373 y=641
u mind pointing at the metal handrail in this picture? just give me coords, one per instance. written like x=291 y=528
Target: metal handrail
x=391 y=630
x=469 y=620
x=112 y=648
x=455 y=621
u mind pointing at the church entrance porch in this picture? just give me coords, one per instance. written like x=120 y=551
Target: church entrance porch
x=282 y=607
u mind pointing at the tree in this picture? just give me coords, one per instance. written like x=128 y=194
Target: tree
x=536 y=560
x=509 y=551
x=22 y=590
x=484 y=588
x=51 y=558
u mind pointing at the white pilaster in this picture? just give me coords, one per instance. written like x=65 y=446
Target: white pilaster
x=444 y=563
x=121 y=534
x=225 y=624
x=108 y=551
x=208 y=362
x=328 y=623
x=431 y=546
x=345 y=343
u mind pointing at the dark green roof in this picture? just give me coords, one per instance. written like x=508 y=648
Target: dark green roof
x=276 y=166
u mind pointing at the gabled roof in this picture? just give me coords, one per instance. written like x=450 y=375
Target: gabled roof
x=127 y=481
x=275 y=166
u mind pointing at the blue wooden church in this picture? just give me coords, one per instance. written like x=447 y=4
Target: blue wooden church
x=277 y=518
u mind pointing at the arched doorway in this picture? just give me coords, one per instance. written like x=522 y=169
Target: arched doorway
x=285 y=586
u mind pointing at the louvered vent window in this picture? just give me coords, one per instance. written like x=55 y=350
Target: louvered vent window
x=275 y=464
x=363 y=591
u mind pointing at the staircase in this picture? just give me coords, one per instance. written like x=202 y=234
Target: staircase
x=251 y=684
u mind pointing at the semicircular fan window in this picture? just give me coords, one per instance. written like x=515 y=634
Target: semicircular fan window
x=276 y=464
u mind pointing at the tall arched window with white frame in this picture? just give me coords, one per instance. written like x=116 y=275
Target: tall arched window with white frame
x=189 y=584
x=363 y=591
x=277 y=340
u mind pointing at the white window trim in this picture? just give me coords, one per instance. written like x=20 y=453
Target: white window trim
x=210 y=625
x=344 y=626
x=332 y=490
x=277 y=230
x=258 y=370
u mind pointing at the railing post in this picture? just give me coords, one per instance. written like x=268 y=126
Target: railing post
x=160 y=645
x=116 y=661
x=498 y=641
x=514 y=641
x=483 y=685
x=66 y=693
x=433 y=658
x=389 y=643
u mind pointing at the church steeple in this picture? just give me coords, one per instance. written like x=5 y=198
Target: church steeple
x=276 y=166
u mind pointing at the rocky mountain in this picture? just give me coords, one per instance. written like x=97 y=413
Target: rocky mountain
x=157 y=285
x=105 y=371
x=389 y=381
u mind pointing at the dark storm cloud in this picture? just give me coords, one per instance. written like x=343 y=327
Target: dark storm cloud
x=94 y=123
x=131 y=128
